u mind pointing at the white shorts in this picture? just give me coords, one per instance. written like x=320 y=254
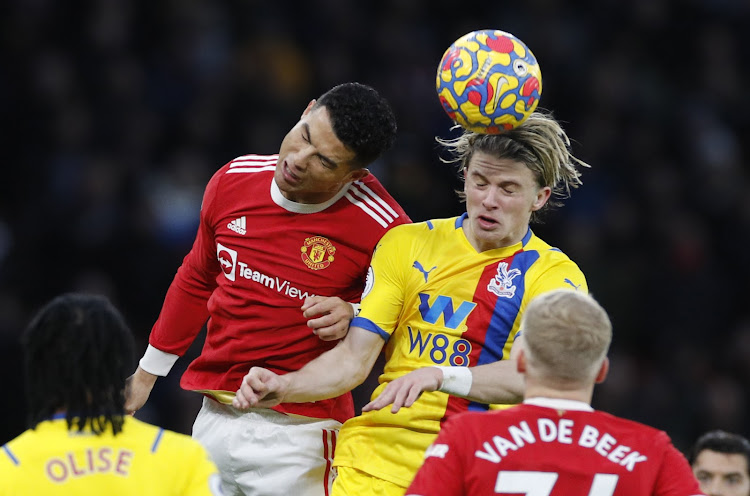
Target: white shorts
x=261 y=452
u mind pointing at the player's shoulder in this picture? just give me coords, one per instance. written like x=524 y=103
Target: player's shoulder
x=553 y=266
x=545 y=249
x=422 y=232
x=251 y=164
x=161 y=440
x=373 y=206
x=372 y=183
x=245 y=168
x=243 y=177
x=11 y=452
x=632 y=429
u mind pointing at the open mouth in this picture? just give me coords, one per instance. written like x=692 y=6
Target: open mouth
x=486 y=222
x=288 y=175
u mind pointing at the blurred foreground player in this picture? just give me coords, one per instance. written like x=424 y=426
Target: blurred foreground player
x=555 y=444
x=721 y=463
x=79 y=352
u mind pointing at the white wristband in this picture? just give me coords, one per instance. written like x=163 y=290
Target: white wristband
x=356 y=307
x=456 y=380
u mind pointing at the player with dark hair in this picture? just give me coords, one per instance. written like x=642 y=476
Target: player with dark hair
x=444 y=297
x=283 y=246
x=721 y=463
x=555 y=444
x=361 y=120
x=78 y=354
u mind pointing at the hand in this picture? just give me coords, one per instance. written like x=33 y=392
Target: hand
x=137 y=390
x=260 y=388
x=334 y=316
x=407 y=389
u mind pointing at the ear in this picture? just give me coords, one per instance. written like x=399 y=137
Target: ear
x=308 y=108
x=521 y=361
x=358 y=174
x=603 y=371
x=541 y=198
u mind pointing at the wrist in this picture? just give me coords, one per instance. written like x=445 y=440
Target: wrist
x=456 y=381
x=283 y=388
x=144 y=376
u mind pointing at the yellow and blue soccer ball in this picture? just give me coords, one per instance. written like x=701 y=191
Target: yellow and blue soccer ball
x=488 y=81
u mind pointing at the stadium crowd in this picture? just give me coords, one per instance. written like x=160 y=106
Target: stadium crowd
x=115 y=115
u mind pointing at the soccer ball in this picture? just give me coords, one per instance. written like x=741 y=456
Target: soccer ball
x=489 y=81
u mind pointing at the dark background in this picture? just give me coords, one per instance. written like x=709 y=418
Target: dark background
x=115 y=113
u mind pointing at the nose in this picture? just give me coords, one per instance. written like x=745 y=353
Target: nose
x=712 y=488
x=300 y=160
x=490 y=198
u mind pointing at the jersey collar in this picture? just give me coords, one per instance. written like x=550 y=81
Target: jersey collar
x=559 y=404
x=303 y=208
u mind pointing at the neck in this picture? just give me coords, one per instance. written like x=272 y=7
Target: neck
x=583 y=394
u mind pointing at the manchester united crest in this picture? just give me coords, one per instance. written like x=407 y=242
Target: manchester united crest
x=317 y=252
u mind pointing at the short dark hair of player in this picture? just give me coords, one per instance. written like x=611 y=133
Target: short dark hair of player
x=362 y=120
x=78 y=353
x=721 y=442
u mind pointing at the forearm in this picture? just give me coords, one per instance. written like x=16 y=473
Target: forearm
x=497 y=382
x=336 y=371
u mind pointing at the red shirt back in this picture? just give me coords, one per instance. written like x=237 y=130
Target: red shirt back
x=255 y=258
x=559 y=449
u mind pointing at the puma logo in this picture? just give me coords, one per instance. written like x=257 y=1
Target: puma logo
x=419 y=267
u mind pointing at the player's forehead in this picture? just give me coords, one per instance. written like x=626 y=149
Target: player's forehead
x=721 y=463
x=318 y=126
x=491 y=166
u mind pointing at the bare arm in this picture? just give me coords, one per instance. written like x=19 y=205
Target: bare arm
x=137 y=389
x=333 y=373
x=496 y=382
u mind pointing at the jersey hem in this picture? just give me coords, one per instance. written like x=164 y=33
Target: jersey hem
x=372 y=473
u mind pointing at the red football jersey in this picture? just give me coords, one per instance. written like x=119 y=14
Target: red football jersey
x=552 y=447
x=255 y=258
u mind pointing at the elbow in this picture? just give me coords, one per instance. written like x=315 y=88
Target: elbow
x=357 y=376
x=515 y=397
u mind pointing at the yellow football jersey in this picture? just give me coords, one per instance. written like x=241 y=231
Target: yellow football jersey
x=142 y=459
x=437 y=301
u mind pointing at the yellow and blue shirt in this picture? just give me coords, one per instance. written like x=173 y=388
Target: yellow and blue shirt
x=142 y=459
x=435 y=300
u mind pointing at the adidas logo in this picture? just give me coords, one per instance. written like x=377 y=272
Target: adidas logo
x=238 y=225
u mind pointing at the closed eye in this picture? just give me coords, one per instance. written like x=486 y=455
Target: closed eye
x=327 y=163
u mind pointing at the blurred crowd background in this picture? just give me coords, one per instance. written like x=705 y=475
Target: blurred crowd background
x=115 y=114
